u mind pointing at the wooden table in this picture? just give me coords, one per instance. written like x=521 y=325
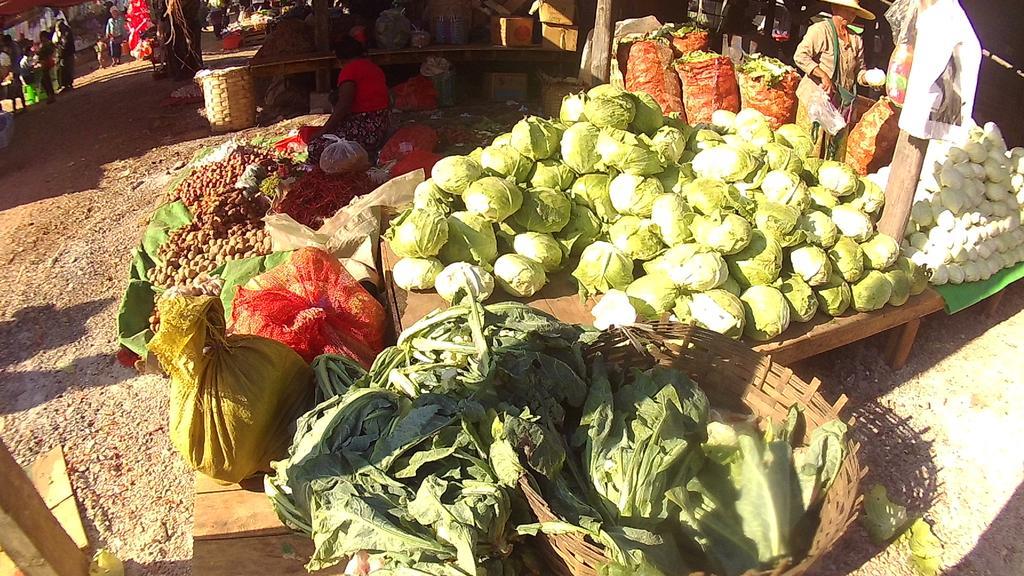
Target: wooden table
x=298 y=64
x=801 y=341
x=237 y=532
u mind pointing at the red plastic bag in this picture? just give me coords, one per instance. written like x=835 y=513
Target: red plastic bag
x=415 y=160
x=649 y=69
x=314 y=306
x=708 y=85
x=409 y=138
x=298 y=142
x=416 y=93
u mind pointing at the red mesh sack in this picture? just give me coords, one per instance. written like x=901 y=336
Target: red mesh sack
x=311 y=304
x=408 y=138
x=691 y=41
x=648 y=68
x=872 y=141
x=414 y=161
x=708 y=85
x=416 y=93
x=776 y=101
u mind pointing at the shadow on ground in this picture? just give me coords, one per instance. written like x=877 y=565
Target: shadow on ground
x=1002 y=539
x=36 y=387
x=35 y=329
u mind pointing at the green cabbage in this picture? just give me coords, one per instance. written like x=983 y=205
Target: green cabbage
x=871 y=292
x=668 y=212
x=822 y=198
x=766 y=312
x=870 y=198
x=838 y=178
x=506 y=161
x=551 y=174
x=918 y=275
x=493 y=198
x=648 y=116
x=536 y=138
x=637 y=237
x=786 y=188
x=579 y=147
x=460 y=279
x=834 y=296
x=723 y=232
x=634 y=195
x=541 y=248
x=518 y=275
x=543 y=210
x=610 y=111
x=417 y=233
x=880 y=252
x=454 y=174
x=757 y=264
x=502 y=140
x=777 y=221
x=626 y=153
x=818 y=228
x=428 y=196
x=847 y=259
x=852 y=223
x=583 y=228
x=732 y=286
x=717 y=310
x=803 y=303
x=811 y=264
x=572 y=108
x=900 y=283
x=708 y=196
x=796 y=138
x=652 y=296
x=725 y=162
x=784 y=158
x=470 y=239
x=603 y=267
x=417 y=273
x=593 y=191
x=668 y=143
x=704 y=139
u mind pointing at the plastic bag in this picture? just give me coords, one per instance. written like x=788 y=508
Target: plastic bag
x=409 y=138
x=416 y=93
x=343 y=156
x=778 y=102
x=416 y=160
x=648 y=68
x=314 y=306
x=234 y=398
x=708 y=85
x=392 y=30
x=820 y=108
x=697 y=39
x=873 y=140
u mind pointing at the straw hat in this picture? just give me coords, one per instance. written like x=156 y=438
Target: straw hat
x=854 y=5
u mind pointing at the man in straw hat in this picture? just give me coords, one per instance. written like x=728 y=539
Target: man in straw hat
x=832 y=57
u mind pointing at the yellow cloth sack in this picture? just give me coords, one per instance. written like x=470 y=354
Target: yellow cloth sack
x=234 y=398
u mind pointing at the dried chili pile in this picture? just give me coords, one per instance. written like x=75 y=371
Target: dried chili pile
x=316 y=196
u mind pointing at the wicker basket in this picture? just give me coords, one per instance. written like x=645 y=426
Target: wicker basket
x=736 y=378
x=230 y=102
x=553 y=90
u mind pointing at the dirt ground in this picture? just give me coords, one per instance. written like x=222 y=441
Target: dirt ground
x=76 y=189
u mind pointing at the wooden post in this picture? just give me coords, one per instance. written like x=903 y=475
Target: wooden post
x=907 y=161
x=322 y=40
x=601 y=49
x=29 y=533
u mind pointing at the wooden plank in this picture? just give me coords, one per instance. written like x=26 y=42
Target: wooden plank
x=282 y=555
x=907 y=161
x=601 y=47
x=29 y=533
x=204 y=484
x=901 y=340
x=233 y=510
x=49 y=474
x=821 y=335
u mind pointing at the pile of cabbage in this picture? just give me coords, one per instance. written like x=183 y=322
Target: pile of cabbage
x=727 y=225
x=965 y=220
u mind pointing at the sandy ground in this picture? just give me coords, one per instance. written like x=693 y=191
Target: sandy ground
x=76 y=189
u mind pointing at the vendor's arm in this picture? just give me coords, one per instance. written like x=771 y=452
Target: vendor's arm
x=342 y=108
x=808 y=54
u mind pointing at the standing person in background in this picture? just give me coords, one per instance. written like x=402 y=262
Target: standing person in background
x=15 y=89
x=47 y=55
x=115 y=34
x=64 y=39
x=832 y=56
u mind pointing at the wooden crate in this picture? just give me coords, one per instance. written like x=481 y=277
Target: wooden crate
x=555 y=37
x=558 y=12
x=511 y=31
x=801 y=341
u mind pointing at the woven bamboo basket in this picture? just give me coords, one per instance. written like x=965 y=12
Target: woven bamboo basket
x=735 y=378
x=553 y=90
x=229 y=97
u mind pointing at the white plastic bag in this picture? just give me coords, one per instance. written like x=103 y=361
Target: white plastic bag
x=820 y=108
x=343 y=156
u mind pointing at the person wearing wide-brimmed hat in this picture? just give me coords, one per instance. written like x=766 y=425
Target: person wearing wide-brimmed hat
x=832 y=57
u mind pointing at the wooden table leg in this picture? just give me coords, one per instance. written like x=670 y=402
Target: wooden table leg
x=901 y=340
x=992 y=304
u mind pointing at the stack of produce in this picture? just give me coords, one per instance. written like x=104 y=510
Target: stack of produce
x=727 y=225
x=769 y=86
x=965 y=220
x=414 y=467
x=311 y=197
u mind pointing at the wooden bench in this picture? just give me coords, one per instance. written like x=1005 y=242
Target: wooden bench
x=299 y=64
x=801 y=341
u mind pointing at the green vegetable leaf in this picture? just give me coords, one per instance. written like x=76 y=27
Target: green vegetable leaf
x=884 y=519
x=925 y=548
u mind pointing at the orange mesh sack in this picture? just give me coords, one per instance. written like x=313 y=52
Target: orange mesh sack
x=314 y=306
x=873 y=140
x=769 y=86
x=648 y=68
x=686 y=40
x=709 y=83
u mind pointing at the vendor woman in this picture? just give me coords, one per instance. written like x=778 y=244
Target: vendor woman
x=832 y=56
x=361 y=111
